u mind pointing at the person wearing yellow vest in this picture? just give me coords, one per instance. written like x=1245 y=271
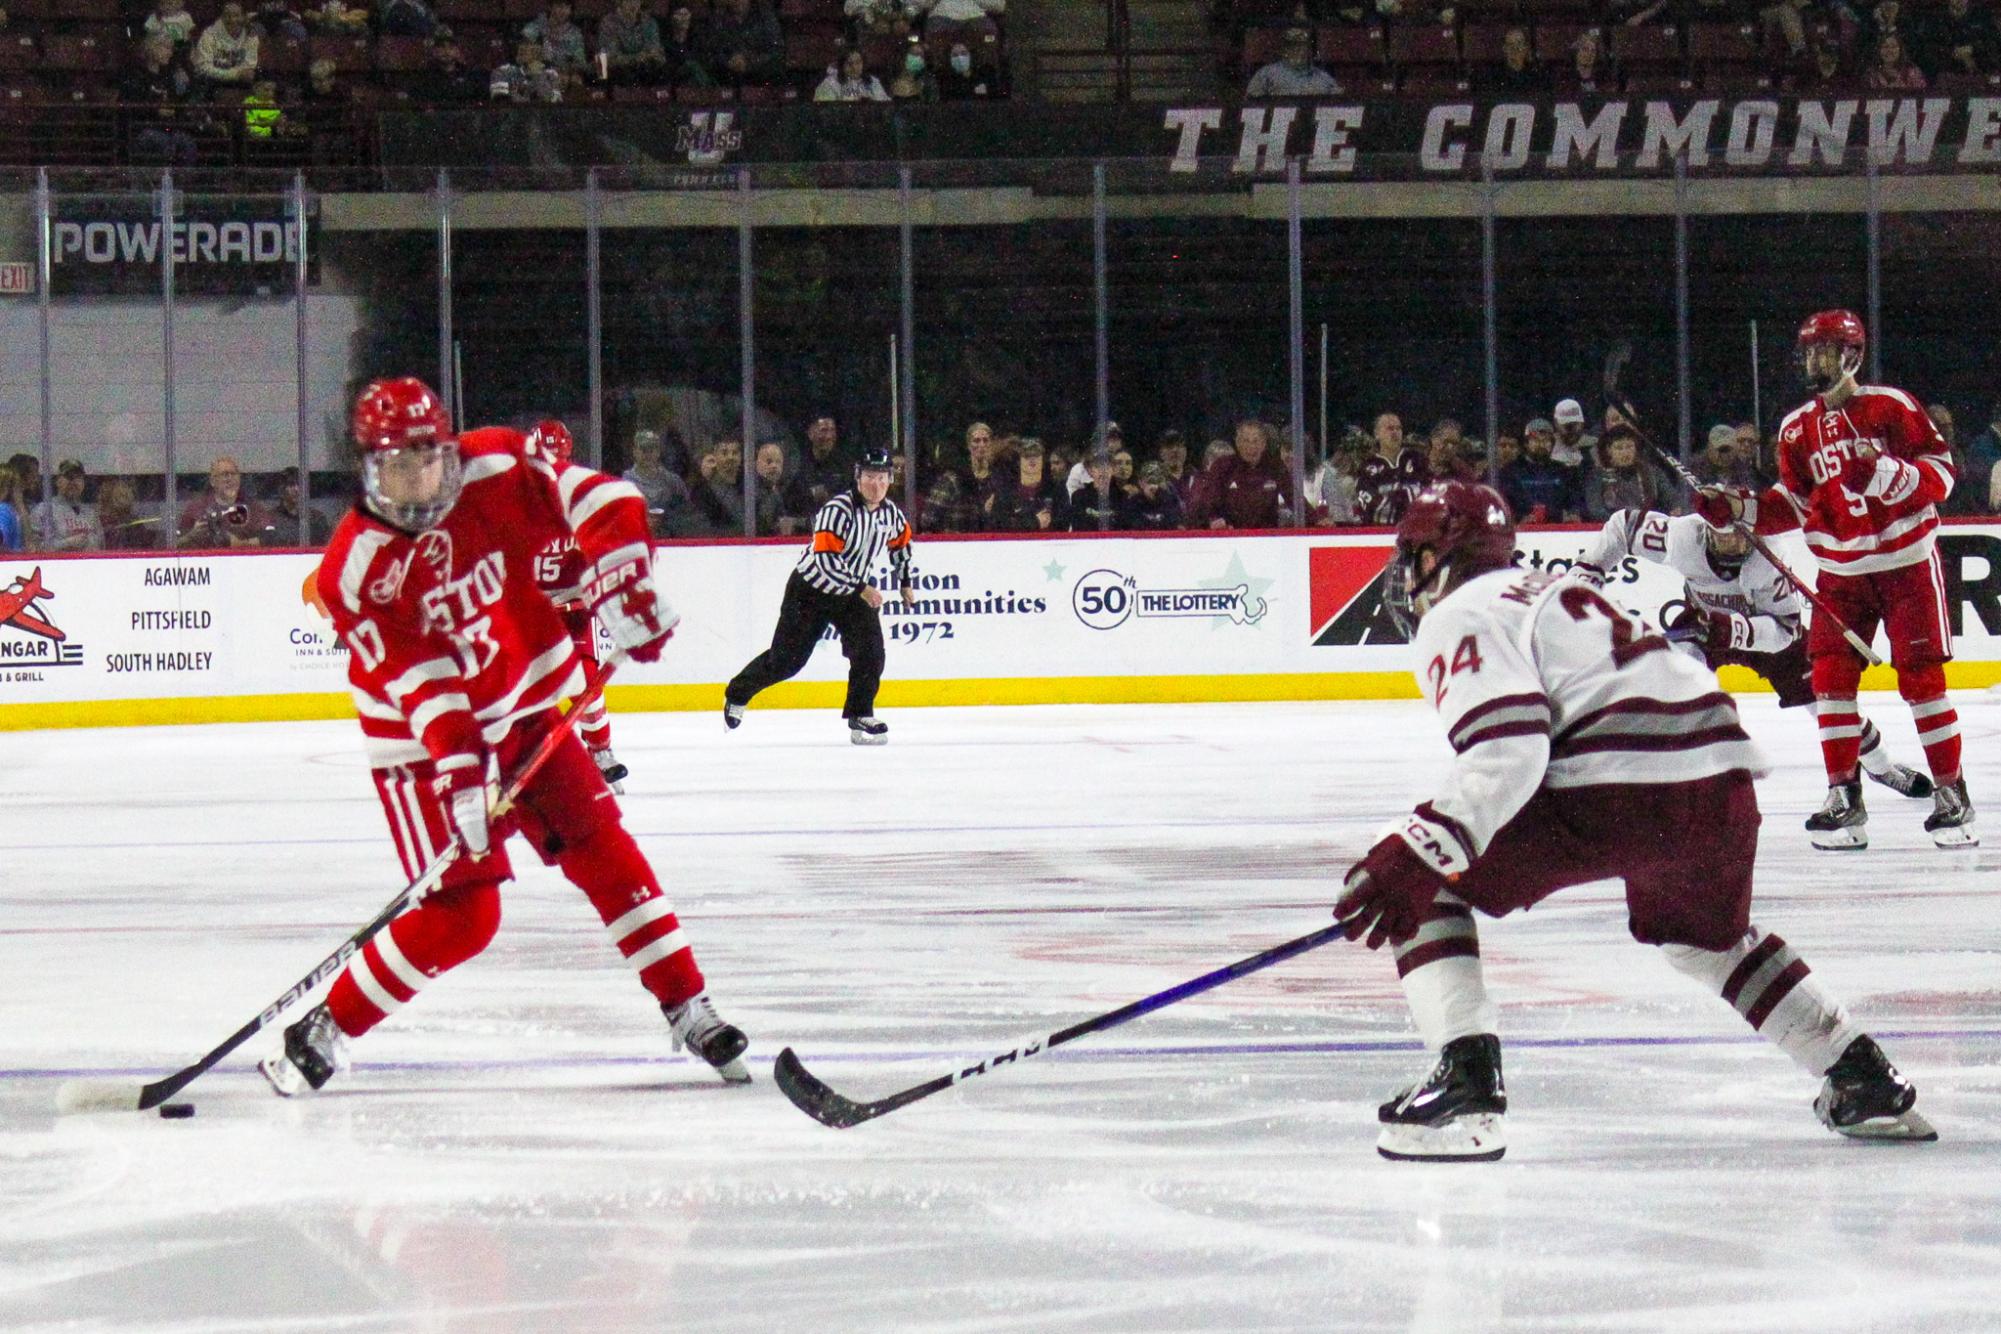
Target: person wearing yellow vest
x=261 y=117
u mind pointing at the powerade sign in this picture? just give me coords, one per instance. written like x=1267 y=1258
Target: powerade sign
x=220 y=245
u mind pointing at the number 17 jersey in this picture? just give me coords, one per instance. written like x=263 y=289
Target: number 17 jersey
x=1541 y=682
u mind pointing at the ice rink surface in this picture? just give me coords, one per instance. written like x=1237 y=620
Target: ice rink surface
x=519 y=1151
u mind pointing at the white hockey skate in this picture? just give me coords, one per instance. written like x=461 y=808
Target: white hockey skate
x=869 y=731
x=1456 y=1114
x=1864 y=1097
x=315 y=1051
x=1842 y=822
x=708 y=1035
x=614 y=772
x=1951 y=822
x=1903 y=780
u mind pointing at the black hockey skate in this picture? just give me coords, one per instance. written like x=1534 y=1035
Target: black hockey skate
x=614 y=772
x=732 y=714
x=1951 y=822
x=868 y=731
x=701 y=1030
x=315 y=1051
x=1903 y=780
x=1454 y=1116
x=1865 y=1098
x=1842 y=823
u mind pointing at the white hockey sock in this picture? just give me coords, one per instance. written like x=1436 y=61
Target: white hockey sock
x=1772 y=987
x=1442 y=980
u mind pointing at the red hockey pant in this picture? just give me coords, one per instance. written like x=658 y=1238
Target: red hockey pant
x=1909 y=603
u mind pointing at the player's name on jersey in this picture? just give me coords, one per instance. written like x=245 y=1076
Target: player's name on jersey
x=116 y=663
x=179 y=576
x=172 y=620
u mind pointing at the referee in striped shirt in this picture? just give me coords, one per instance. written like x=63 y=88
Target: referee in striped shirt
x=830 y=586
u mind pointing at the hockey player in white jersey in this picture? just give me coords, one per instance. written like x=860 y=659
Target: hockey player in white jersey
x=1586 y=749
x=1738 y=609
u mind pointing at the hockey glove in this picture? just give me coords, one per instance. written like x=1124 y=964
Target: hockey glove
x=626 y=603
x=1590 y=574
x=461 y=790
x=1889 y=480
x=1388 y=894
x=1725 y=505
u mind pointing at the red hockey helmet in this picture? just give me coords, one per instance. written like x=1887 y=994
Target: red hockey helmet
x=1467 y=530
x=550 y=441
x=410 y=469
x=1840 y=330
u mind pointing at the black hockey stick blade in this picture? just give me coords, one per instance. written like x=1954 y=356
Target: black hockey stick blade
x=811 y=1095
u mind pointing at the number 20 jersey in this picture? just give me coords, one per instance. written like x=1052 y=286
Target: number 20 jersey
x=1541 y=682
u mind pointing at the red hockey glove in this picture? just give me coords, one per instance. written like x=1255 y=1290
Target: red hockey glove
x=1590 y=574
x=1388 y=893
x=625 y=602
x=1725 y=505
x=461 y=790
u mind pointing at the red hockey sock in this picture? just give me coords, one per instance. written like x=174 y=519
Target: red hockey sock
x=614 y=875
x=1840 y=737
x=1938 y=733
x=594 y=728
x=438 y=934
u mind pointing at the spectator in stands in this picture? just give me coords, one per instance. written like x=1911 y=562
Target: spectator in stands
x=962 y=81
x=326 y=99
x=13 y=516
x=877 y=18
x=1881 y=19
x=226 y=54
x=825 y=469
x=782 y=504
x=1080 y=475
x=527 y=78
x=170 y=19
x=1788 y=20
x=1517 y=75
x=447 y=80
x=683 y=47
x=1620 y=479
x=1245 y=489
x=407 y=18
x=1093 y=506
x=119 y=520
x=850 y=82
x=1980 y=478
x=944 y=508
x=1151 y=506
x=979 y=477
x=261 y=117
x=744 y=44
x=1331 y=490
x=1028 y=504
x=1293 y=74
x=220 y=517
x=1573 y=446
x=1122 y=471
x=562 y=41
x=1171 y=453
x=1448 y=459
x=28 y=471
x=1961 y=40
x=278 y=19
x=292 y=525
x=665 y=493
x=1724 y=462
x=1824 y=74
x=1894 y=71
x=629 y=45
x=1588 y=71
x=942 y=16
x=63 y=522
x=913 y=80
x=1538 y=488
x=1390 y=476
x=715 y=491
x=335 y=19
x=157 y=92
x=1059 y=464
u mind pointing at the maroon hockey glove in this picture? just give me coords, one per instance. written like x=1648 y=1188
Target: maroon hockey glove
x=1388 y=893
x=624 y=600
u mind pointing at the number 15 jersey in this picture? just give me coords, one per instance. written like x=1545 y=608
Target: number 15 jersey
x=1541 y=682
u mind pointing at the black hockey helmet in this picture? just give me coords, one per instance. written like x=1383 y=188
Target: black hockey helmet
x=1467 y=530
x=873 y=459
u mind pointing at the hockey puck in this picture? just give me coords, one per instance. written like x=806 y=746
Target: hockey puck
x=177 y=1111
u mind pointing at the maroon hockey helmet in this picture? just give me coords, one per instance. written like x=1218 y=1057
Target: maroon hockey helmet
x=410 y=470
x=1839 y=329
x=1466 y=528
x=550 y=441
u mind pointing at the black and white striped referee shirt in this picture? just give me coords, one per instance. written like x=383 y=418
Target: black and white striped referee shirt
x=848 y=539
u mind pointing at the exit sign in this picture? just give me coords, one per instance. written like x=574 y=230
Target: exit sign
x=17 y=279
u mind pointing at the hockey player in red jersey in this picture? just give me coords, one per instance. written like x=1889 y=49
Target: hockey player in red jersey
x=457 y=661
x=1862 y=469
x=560 y=572
x=1586 y=749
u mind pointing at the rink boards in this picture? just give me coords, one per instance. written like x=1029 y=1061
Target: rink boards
x=94 y=641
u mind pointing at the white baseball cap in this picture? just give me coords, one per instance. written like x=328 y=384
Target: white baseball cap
x=1569 y=413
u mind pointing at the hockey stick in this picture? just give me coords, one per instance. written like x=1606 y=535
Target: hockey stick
x=110 y=1095
x=812 y=1096
x=1624 y=406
